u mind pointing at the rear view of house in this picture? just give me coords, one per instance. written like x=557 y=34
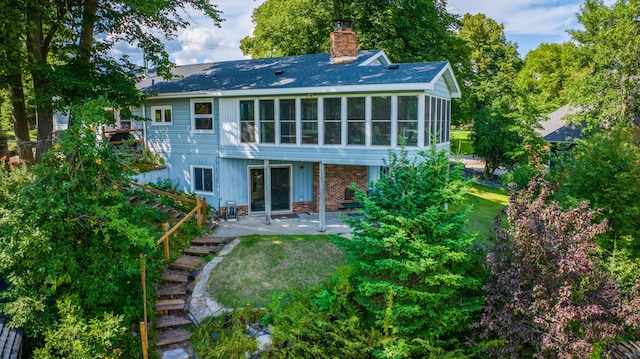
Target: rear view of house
x=291 y=134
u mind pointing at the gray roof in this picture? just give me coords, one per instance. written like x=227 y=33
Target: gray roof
x=557 y=129
x=10 y=338
x=289 y=72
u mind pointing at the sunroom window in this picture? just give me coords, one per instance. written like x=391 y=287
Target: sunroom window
x=381 y=120
x=267 y=122
x=309 y=121
x=333 y=121
x=355 y=120
x=247 y=121
x=288 y=121
x=408 y=120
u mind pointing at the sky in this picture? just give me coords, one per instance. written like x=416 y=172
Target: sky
x=526 y=22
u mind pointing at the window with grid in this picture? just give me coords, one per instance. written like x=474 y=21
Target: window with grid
x=381 y=120
x=355 y=120
x=161 y=115
x=202 y=115
x=203 y=179
x=333 y=121
x=309 y=120
x=247 y=121
x=408 y=120
x=267 y=121
x=288 y=121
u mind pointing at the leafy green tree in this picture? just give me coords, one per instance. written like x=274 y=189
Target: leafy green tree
x=64 y=49
x=547 y=295
x=416 y=271
x=66 y=232
x=408 y=30
x=610 y=47
x=604 y=169
x=547 y=71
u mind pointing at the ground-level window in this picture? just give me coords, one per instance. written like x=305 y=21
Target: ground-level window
x=247 y=121
x=161 y=115
x=202 y=179
x=333 y=121
x=202 y=115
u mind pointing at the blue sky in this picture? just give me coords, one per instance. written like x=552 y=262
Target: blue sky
x=527 y=23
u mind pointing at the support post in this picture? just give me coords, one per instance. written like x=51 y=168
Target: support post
x=267 y=192
x=165 y=227
x=322 y=214
x=143 y=325
x=199 y=214
x=204 y=211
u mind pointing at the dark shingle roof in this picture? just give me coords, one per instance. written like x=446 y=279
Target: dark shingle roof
x=556 y=128
x=10 y=338
x=289 y=72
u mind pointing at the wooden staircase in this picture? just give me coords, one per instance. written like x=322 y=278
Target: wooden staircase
x=174 y=291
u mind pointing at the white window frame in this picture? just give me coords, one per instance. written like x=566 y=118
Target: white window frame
x=195 y=116
x=164 y=122
x=193 y=179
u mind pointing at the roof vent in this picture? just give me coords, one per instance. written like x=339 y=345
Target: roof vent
x=211 y=72
x=393 y=67
x=279 y=72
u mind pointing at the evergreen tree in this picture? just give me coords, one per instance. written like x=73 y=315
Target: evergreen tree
x=416 y=272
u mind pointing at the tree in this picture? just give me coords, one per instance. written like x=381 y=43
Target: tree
x=416 y=271
x=408 y=30
x=503 y=115
x=610 y=47
x=64 y=48
x=547 y=72
x=547 y=296
x=67 y=234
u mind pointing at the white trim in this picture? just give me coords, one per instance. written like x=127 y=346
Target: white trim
x=193 y=115
x=193 y=179
x=376 y=56
x=164 y=121
x=447 y=69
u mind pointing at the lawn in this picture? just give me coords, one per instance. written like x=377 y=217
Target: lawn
x=487 y=203
x=262 y=265
x=460 y=143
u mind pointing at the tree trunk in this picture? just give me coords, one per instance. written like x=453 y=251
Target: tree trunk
x=20 y=119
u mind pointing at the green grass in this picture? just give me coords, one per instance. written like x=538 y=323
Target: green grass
x=460 y=143
x=263 y=265
x=487 y=203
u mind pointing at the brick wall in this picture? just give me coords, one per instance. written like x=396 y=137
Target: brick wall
x=337 y=179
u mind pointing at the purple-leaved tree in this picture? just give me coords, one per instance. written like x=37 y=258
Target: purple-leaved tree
x=547 y=296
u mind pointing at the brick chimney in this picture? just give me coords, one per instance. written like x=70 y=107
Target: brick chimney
x=344 y=45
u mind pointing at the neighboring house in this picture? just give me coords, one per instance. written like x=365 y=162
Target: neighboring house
x=557 y=130
x=10 y=338
x=314 y=123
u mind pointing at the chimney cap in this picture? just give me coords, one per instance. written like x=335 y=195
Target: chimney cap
x=343 y=24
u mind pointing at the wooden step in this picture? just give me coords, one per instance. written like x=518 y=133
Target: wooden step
x=171 y=290
x=211 y=240
x=164 y=306
x=188 y=263
x=175 y=277
x=199 y=250
x=167 y=321
x=172 y=336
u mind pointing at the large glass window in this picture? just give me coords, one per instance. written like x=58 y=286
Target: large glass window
x=431 y=118
x=202 y=115
x=161 y=115
x=332 y=121
x=247 y=121
x=381 y=120
x=288 y=121
x=309 y=121
x=408 y=120
x=355 y=120
x=267 y=122
x=203 y=179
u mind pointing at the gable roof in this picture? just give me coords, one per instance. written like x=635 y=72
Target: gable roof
x=10 y=338
x=299 y=74
x=556 y=129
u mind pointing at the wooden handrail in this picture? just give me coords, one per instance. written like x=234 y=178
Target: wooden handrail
x=168 y=194
x=175 y=228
